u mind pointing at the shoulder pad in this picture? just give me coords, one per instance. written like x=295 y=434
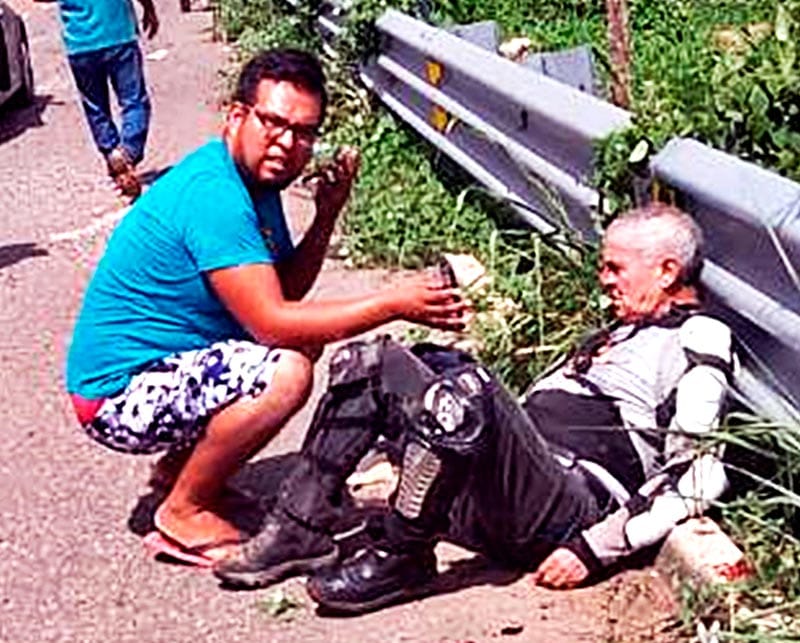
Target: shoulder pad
x=707 y=341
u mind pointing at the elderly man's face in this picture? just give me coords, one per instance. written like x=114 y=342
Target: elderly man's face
x=635 y=282
x=271 y=141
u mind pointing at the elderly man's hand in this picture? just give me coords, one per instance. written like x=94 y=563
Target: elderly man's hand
x=561 y=570
x=333 y=182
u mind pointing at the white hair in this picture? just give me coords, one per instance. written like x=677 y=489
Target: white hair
x=665 y=230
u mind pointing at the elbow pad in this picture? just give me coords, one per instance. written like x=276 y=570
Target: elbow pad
x=708 y=341
x=694 y=492
x=700 y=397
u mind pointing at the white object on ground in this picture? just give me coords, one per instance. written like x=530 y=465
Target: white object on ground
x=515 y=49
x=158 y=54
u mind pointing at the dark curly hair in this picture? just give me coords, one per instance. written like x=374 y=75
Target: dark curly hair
x=292 y=65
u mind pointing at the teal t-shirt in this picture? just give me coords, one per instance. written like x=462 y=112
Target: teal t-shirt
x=149 y=296
x=89 y=25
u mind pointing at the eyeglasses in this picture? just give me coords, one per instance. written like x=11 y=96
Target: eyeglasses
x=276 y=126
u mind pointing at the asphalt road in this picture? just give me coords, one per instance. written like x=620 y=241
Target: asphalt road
x=72 y=568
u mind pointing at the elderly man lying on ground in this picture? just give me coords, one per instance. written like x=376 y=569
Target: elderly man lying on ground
x=597 y=462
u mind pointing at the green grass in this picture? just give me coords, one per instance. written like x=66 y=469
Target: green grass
x=403 y=215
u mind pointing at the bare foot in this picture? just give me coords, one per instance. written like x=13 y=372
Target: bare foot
x=201 y=528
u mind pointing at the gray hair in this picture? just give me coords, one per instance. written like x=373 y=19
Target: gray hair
x=665 y=229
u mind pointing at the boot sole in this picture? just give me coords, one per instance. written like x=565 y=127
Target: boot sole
x=400 y=596
x=263 y=578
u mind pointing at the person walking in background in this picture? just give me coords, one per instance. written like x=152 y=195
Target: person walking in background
x=101 y=38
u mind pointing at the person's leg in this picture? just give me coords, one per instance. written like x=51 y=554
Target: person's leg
x=474 y=468
x=126 y=72
x=222 y=404
x=230 y=438
x=296 y=537
x=543 y=500
x=91 y=79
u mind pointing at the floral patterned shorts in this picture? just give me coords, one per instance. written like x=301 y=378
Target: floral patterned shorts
x=169 y=405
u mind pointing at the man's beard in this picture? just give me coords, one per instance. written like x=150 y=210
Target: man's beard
x=259 y=185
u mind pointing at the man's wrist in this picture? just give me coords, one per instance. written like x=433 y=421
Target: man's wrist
x=326 y=215
x=387 y=306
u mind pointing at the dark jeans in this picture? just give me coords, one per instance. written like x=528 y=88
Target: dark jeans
x=511 y=500
x=122 y=67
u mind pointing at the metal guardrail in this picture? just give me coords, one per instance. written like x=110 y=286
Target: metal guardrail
x=529 y=139
x=751 y=220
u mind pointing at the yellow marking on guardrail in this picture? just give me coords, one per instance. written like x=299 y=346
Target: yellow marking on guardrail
x=434 y=72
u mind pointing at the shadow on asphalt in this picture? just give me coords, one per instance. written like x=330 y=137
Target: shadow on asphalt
x=151 y=176
x=16 y=252
x=15 y=120
x=261 y=480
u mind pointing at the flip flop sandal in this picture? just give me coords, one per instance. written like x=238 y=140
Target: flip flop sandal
x=162 y=546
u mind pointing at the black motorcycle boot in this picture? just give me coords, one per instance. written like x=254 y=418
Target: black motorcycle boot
x=282 y=548
x=373 y=578
x=295 y=538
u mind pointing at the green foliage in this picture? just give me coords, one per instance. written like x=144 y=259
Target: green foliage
x=722 y=72
x=263 y=24
x=403 y=215
x=539 y=304
x=279 y=605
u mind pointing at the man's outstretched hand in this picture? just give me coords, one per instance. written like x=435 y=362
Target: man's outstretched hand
x=334 y=180
x=425 y=300
x=561 y=570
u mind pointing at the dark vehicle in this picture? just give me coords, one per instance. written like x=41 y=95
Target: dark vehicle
x=16 y=73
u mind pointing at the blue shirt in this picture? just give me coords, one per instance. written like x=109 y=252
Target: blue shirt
x=89 y=25
x=149 y=296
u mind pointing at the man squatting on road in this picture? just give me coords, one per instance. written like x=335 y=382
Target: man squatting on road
x=599 y=460
x=194 y=336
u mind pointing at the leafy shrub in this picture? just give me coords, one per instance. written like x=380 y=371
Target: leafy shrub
x=723 y=72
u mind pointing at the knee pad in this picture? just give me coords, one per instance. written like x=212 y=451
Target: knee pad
x=455 y=412
x=420 y=470
x=352 y=413
x=449 y=423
